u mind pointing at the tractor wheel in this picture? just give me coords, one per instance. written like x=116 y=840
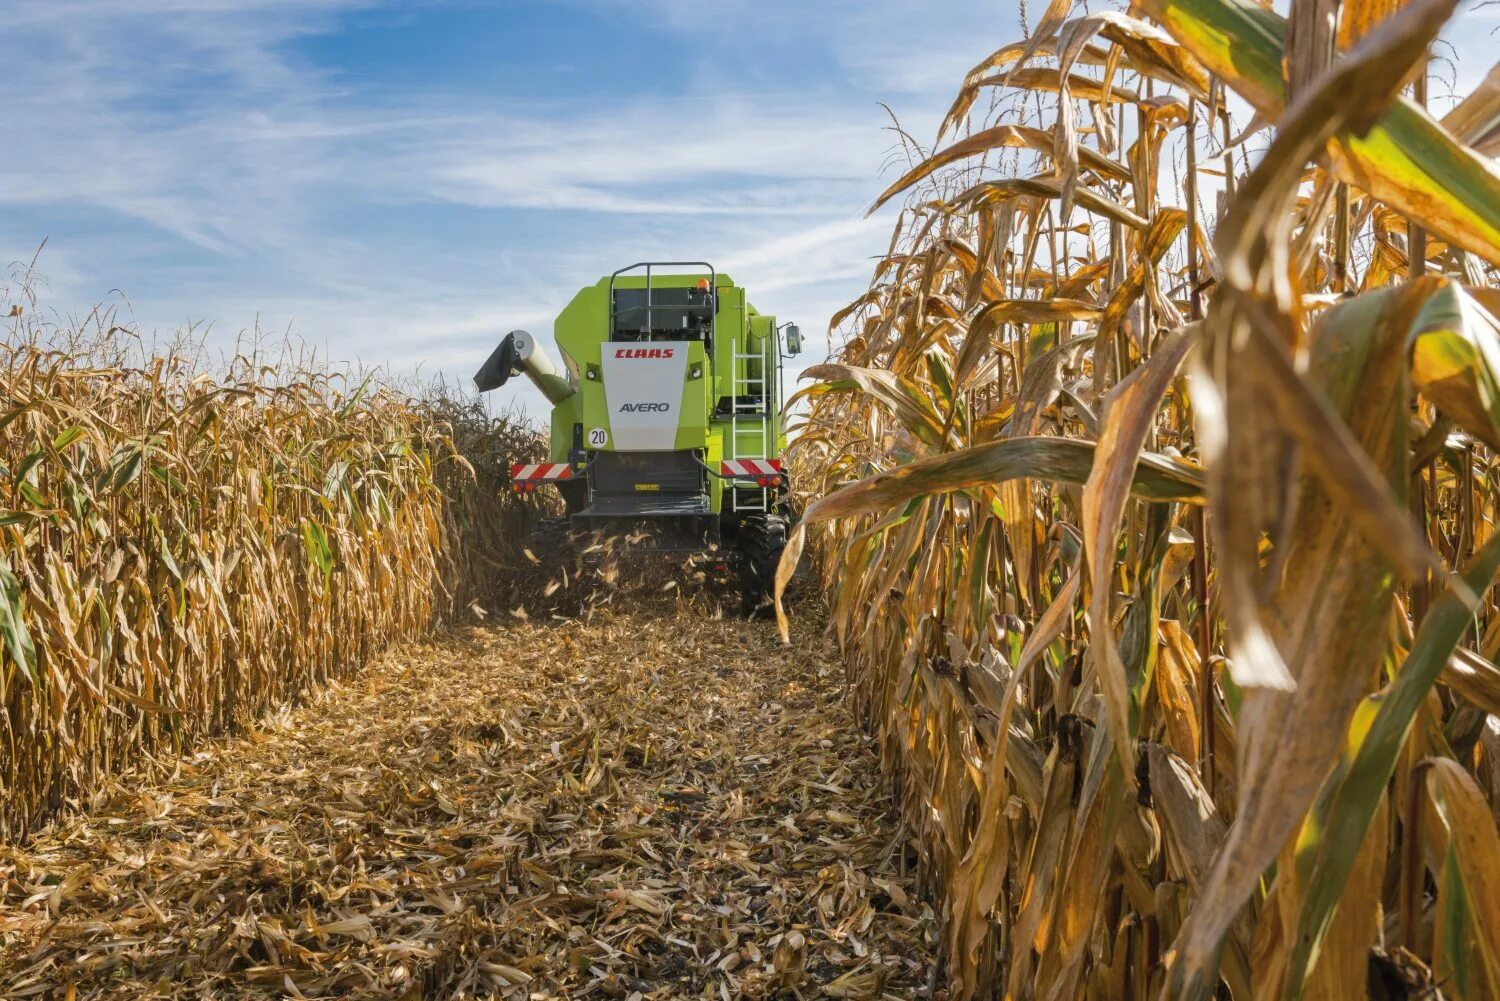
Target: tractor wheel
x=762 y=538
x=550 y=584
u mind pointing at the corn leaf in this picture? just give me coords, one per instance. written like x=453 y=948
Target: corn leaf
x=1060 y=459
x=1406 y=159
x=1349 y=797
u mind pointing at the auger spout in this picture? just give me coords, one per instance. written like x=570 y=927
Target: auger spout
x=520 y=353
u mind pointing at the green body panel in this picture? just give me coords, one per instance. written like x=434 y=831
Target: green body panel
x=582 y=332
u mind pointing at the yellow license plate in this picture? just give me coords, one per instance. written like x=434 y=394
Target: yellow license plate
x=648 y=486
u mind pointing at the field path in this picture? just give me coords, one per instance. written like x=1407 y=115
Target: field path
x=645 y=805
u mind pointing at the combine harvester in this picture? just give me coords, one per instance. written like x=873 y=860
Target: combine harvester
x=667 y=423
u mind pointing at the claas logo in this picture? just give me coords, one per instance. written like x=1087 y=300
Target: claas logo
x=644 y=352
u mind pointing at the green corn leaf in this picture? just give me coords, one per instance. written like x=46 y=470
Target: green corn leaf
x=1467 y=929
x=940 y=380
x=316 y=541
x=978 y=575
x=1407 y=160
x=1454 y=918
x=355 y=400
x=33 y=495
x=13 y=627
x=1455 y=357
x=166 y=555
x=26 y=465
x=1329 y=841
x=125 y=466
x=164 y=475
x=67 y=437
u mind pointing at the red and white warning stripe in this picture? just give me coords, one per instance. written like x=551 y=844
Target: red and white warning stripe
x=750 y=467
x=542 y=471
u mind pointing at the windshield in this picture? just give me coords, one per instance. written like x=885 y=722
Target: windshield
x=671 y=314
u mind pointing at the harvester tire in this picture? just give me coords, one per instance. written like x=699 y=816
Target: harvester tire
x=762 y=538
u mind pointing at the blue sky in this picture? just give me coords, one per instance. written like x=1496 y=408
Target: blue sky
x=399 y=183
x=402 y=182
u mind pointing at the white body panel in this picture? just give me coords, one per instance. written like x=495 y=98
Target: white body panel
x=643 y=386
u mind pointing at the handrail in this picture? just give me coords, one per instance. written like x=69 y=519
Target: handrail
x=713 y=291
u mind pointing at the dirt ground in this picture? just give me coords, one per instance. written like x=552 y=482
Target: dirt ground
x=651 y=803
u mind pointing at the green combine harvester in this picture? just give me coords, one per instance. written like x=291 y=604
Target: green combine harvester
x=667 y=423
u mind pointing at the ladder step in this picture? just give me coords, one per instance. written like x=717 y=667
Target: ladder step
x=750 y=423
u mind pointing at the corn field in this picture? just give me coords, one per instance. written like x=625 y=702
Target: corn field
x=1154 y=493
x=183 y=552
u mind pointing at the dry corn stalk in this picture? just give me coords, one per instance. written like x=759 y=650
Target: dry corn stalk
x=1162 y=566
x=180 y=553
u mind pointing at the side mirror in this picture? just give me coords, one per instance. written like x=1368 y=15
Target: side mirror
x=793 y=339
x=498 y=367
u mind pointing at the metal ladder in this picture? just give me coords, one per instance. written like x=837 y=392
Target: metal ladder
x=750 y=423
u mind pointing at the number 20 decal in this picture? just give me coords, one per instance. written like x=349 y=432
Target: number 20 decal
x=598 y=437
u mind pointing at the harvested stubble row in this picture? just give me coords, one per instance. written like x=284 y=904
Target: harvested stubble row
x=623 y=808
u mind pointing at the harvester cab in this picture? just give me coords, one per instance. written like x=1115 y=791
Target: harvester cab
x=667 y=420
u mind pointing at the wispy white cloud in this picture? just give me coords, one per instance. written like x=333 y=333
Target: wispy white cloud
x=274 y=192
x=686 y=156
x=194 y=154
x=189 y=116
